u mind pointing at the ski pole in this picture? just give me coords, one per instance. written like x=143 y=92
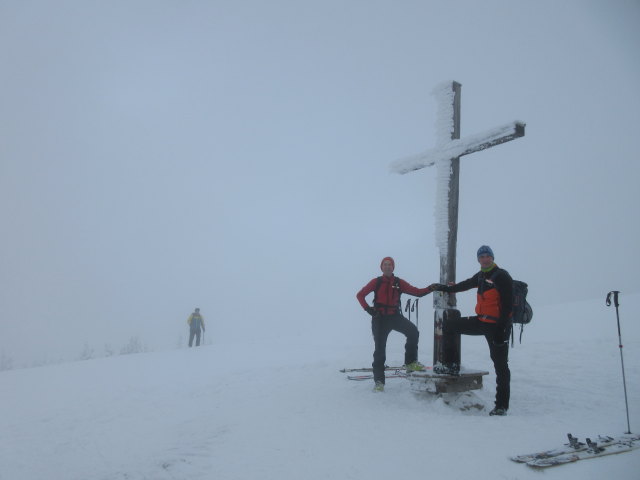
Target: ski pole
x=407 y=308
x=415 y=305
x=624 y=382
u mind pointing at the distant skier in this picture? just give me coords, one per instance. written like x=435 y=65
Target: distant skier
x=493 y=320
x=387 y=316
x=196 y=326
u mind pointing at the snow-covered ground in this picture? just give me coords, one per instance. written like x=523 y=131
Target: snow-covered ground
x=277 y=408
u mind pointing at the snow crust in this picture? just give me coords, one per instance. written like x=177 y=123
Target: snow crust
x=444 y=95
x=443 y=153
x=452 y=149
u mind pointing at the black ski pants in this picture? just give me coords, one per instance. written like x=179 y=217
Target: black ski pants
x=194 y=333
x=381 y=327
x=499 y=353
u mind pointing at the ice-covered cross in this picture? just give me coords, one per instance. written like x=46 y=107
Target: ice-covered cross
x=446 y=157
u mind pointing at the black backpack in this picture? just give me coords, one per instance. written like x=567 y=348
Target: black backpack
x=522 y=311
x=196 y=321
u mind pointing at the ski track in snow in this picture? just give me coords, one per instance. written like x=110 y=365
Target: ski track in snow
x=283 y=411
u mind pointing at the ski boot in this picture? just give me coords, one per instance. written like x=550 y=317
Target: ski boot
x=414 y=367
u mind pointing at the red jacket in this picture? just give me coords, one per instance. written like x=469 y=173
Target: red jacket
x=388 y=296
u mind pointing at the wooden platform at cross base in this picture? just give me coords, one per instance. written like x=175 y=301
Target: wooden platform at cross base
x=429 y=382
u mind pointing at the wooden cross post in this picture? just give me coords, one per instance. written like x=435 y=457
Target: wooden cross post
x=446 y=157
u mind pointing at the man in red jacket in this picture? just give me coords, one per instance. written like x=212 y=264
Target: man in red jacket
x=387 y=315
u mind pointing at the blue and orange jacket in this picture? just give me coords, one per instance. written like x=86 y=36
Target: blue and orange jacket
x=495 y=294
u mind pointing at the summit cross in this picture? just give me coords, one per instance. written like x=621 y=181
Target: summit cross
x=446 y=157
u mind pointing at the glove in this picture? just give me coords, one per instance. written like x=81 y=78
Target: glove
x=371 y=311
x=438 y=287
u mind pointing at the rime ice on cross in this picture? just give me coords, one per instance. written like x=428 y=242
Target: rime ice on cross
x=446 y=157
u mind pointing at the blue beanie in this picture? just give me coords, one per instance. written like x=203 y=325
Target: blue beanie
x=485 y=250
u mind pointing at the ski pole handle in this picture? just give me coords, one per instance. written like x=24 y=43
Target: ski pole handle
x=615 y=298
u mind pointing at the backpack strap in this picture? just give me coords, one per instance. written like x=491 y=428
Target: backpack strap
x=482 y=278
x=375 y=291
x=512 y=336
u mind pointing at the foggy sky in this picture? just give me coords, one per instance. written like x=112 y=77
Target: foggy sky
x=156 y=156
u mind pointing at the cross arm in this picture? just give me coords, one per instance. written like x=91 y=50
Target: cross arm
x=460 y=147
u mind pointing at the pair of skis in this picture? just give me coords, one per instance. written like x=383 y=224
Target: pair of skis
x=576 y=450
x=390 y=372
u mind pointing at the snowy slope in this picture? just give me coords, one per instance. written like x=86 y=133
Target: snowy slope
x=281 y=410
